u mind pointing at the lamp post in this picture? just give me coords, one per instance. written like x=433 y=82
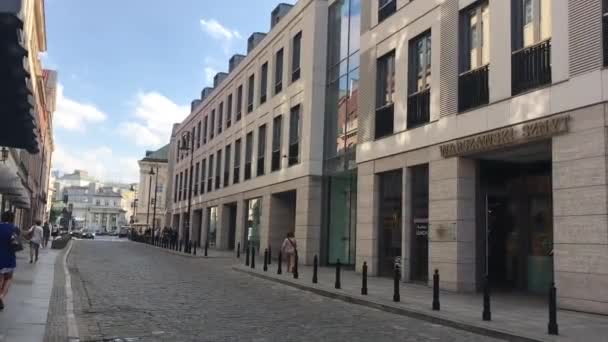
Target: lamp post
x=155 y=193
x=188 y=146
x=151 y=173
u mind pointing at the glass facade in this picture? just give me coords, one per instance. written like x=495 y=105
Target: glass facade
x=253 y=213
x=212 y=224
x=341 y=113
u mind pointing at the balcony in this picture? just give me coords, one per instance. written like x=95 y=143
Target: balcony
x=531 y=67
x=385 y=117
x=419 y=108
x=473 y=89
x=387 y=10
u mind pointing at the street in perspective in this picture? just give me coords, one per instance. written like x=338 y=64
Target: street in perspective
x=303 y=170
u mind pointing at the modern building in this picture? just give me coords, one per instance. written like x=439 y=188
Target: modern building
x=152 y=189
x=27 y=102
x=468 y=137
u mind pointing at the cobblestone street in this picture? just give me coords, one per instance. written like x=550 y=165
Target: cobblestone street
x=127 y=291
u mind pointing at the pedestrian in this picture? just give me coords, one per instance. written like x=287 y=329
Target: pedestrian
x=46 y=234
x=36 y=236
x=8 y=261
x=290 y=249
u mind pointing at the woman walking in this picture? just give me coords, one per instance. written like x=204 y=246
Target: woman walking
x=8 y=261
x=290 y=248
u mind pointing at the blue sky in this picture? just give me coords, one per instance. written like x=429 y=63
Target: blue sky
x=128 y=69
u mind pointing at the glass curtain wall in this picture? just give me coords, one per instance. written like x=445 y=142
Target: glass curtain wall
x=212 y=231
x=341 y=114
x=253 y=214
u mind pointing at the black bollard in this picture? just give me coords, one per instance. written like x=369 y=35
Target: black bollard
x=238 y=250
x=338 y=284
x=247 y=257
x=364 y=279
x=315 y=265
x=396 y=295
x=269 y=255
x=265 y=268
x=553 y=329
x=194 y=249
x=295 y=266
x=279 y=270
x=252 y=256
x=436 y=290
x=206 y=247
x=487 y=314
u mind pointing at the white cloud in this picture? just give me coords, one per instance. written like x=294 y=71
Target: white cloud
x=100 y=162
x=209 y=74
x=73 y=115
x=221 y=33
x=153 y=118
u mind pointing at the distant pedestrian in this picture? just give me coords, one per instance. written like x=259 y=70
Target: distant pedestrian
x=290 y=249
x=36 y=235
x=8 y=260
x=46 y=234
x=55 y=232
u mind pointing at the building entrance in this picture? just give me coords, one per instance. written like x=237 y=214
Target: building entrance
x=516 y=197
x=231 y=211
x=389 y=221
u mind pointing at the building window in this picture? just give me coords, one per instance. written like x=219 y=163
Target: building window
x=205 y=130
x=229 y=111
x=196 y=174
x=210 y=176
x=385 y=92
x=250 y=89
x=203 y=175
x=531 y=44
x=474 y=56
x=227 y=166
x=295 y=133
x=212 y=125
x=185 y=184
x=248 y=154
x=296 y=57
x=181 y=180
x=264 y=83
x=278 y=72
x=239 y=102
x=198 y=136
x=175 y=188
x=386 y=8
x=220 y=119
x=261 y=165
x=419 y=85
x=277 y=129
x=237 y=162
x=218 y=170
x=605 y=29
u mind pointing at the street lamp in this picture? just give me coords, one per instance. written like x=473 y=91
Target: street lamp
x=155 y=193
x=188 y=146
x=151 y=173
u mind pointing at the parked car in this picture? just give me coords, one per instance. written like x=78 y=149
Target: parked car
x=124 y=232
x=87 y=234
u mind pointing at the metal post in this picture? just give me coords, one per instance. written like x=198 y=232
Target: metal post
x=206 y=247
x=279 y=270
x=295 y=265
x=194 y=249
x=247 y=257
x=487 y=314
x=364 y=279
x=396 y=296
x=315 y=265
x=269 y=255
x=252 y=256
x=436 y=291
x=338 y=284
x=265 y=268
x=553 y=329
x=238 y=250
x=155 y=196
x=148 y=210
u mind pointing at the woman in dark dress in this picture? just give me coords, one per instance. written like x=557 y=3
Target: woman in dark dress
x=8 y=260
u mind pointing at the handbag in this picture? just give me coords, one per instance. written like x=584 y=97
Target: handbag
x=15 y=243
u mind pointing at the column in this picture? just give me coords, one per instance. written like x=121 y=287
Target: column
x=367 y=218
x=452 y=222
x=264 y=222
x=580 y=222
x=204 y=226
x=222 y=227
x=308 y=219
x=240 y=224
x=406 y=220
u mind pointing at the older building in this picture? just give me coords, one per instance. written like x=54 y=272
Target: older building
x=96 y=207
x=152 y=189
x=27 y=100
x=249 y=157
x=482 y=145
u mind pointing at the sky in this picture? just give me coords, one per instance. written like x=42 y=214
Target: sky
x=128 y=70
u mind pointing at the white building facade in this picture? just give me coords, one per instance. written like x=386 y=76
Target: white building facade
x=152 y=189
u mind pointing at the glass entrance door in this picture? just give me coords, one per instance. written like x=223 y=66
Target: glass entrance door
x=342 y=215
x=389 y=221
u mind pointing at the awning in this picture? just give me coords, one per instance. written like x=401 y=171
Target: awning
x=18 y=119
x=11 y=186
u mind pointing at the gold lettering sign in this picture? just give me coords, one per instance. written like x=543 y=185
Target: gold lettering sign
x=506 y=136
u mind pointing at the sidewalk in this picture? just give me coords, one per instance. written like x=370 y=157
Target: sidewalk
x=514 y=317
x=24 y=317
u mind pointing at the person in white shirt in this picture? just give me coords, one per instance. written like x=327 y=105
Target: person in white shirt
x=36 y=236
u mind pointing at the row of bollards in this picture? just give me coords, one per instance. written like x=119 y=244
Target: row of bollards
x=435 y=305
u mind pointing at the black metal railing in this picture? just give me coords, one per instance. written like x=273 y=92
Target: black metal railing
x=531 y=67
x=384 y=121
x=473 y=88
x=605 y=30
x=419 y=108
x=294 y=153
x=387 y=10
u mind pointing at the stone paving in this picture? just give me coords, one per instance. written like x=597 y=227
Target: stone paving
x=129 y=291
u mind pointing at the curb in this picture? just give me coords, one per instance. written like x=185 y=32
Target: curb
x=425 y=316
x=73 y=334
x=182 y=254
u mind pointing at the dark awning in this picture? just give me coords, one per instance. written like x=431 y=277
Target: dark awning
x=18 y=119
